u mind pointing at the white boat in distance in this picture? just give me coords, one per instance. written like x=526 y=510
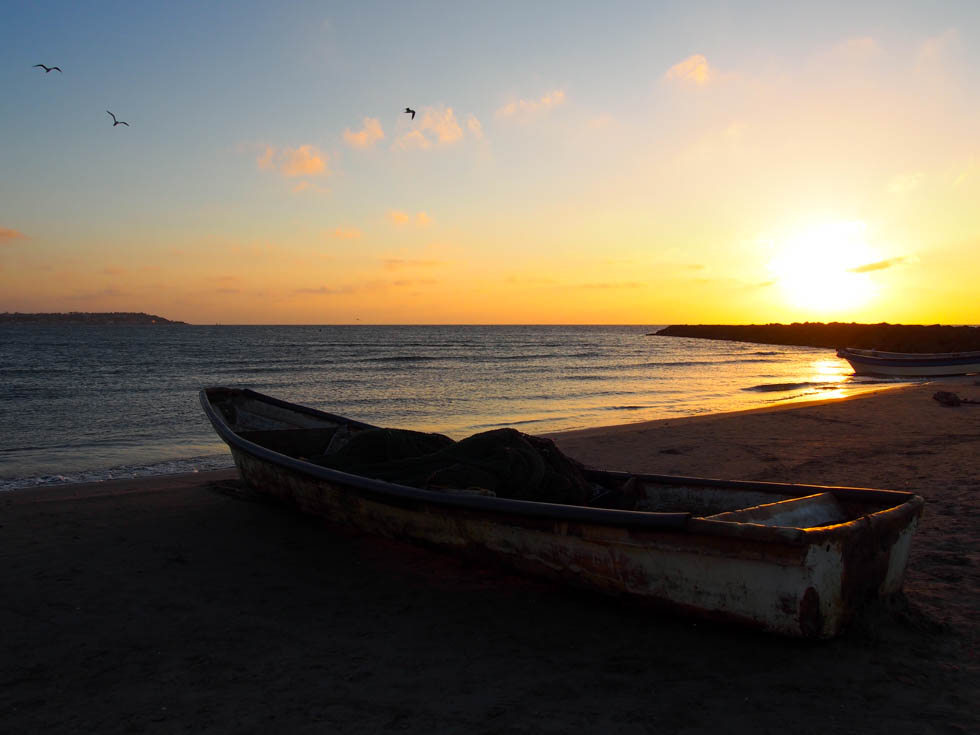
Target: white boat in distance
x=910 y=364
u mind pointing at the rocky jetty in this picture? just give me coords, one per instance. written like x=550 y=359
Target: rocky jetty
x=884 y=336
x=85 y=317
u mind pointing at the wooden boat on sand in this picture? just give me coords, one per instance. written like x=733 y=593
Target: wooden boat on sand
x=792 y=559
x=910 y=364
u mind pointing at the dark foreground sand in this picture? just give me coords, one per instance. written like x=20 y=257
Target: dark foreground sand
x=168 y=606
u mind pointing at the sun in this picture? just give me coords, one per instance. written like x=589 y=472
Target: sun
x=817 y=270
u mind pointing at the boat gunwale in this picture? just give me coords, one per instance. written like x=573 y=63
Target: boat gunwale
x=905 y=504
x=909 y=359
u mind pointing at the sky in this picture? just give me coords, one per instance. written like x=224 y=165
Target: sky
x=588 y=163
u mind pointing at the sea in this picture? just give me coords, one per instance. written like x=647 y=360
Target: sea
x=93 y=403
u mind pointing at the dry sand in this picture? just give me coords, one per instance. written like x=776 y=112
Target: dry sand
x=166 y=605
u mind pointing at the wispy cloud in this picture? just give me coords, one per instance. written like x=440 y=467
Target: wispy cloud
x=525 y=110
x=367 y=286
x=398 y=217
x=435 y=126
x=367 y=136
x=346 y=233
x=879 y=265
x=95 y=295
x=328 y=291
x=474 y=126
x=858 y=47
x=113 y=271
x=904 y=183
x=611 y=285
x=935 y=49
x=395 y=264
x=6 y=235
x=692 y=70
x=306 y=160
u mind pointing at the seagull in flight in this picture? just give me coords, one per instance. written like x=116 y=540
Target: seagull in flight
x=410 y=111
x=116 y=122
x=47 y=68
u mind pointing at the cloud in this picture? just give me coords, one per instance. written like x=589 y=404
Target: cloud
x=113 y=271
x=394 y=264
x=936 y=49
x=227 y=290
x=474 y=126
x=435 y=126
x=366 y=137
x=692 y=70
x=91 y=296
x=857 y=48
x=617 y=285
x=399 y=218
x=412 y=139
x=405 y=282
x=601 y=122
x=346 y=233
x=879 y=265
x=325 y=291
x=307 y=160
x=904 y=183
x=307 y=186
x=367 y=286
x=525 y=110
x=7 y=234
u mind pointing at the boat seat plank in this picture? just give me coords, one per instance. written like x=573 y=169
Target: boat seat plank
x=806 y=512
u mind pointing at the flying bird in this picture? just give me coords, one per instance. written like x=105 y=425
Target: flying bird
x=116 y=122
x=410 y=111
x=47 y=68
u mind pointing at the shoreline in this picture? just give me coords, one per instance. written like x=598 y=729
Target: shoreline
x=569 y=438
x=778 y=405
x=169 y=604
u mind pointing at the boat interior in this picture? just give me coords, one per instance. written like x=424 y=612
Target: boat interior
x=300 y=434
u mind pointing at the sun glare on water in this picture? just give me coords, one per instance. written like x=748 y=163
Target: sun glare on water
x=817 y=270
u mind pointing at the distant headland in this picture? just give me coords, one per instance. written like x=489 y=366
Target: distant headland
x=884 y=336
x=85 y=317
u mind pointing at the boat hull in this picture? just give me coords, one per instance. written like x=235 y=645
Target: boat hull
x=803 y=583
x=911 y=365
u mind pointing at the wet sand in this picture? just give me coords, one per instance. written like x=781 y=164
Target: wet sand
x=172 y=605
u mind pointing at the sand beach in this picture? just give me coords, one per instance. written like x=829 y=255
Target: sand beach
x=172 y=604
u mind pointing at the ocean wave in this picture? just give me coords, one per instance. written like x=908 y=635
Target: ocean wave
x=695 y=363
x=774 y=387
x=399 y=358
x=168 y=467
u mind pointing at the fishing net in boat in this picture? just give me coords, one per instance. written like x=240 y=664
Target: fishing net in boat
x=501 y=462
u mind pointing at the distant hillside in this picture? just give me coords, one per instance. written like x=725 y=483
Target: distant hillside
x=889 y=337
x=83 y=317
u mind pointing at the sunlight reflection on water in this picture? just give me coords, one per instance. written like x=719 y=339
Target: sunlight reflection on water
x=95 y=398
